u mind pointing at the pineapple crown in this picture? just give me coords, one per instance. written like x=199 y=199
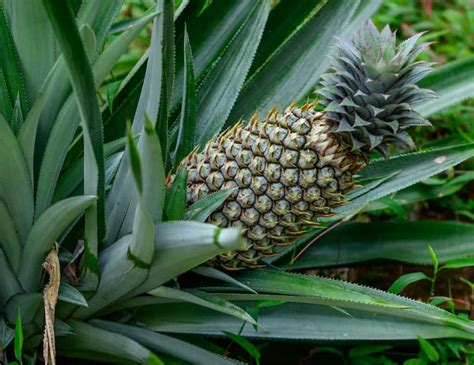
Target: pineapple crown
x=370 y=90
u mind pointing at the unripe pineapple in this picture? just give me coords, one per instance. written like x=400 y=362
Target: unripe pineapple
x=291 y=168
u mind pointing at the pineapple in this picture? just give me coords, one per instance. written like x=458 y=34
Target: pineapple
x=291 y=168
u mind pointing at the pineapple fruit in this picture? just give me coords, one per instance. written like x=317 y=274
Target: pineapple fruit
x=291 y=168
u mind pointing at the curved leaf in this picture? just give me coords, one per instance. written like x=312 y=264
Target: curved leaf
x=203 y=299
x=295 y=321
x=93 y=343
x=401 y=241
x=165 y=344
x=411 y=168
x=45 y=232
x=452 y=83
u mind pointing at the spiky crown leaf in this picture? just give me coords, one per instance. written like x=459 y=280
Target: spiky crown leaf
x=371 y=88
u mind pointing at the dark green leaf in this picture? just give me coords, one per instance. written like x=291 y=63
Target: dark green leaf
x=187 y=122
x=428 y=349
x=401 y=241
x=403 y=281
x=212 y=26
x=64 y=24
x=93 y=343
x=298 y=63
x=220 y=89
x=176 y=196
x=168 y=74
x=165 y=344
x=70 y=294
x=246 y=345
x=203 y=208
x=285 y=19
x=10 y=66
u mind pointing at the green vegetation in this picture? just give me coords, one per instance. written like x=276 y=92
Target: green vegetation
x=100 y=102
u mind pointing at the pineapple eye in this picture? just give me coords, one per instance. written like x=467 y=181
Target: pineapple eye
x=232 y=210
x=308 y=159
x=263 y=203
x=294 y=194
x=289 y=177
x=243 y=178
x=244 y=157
x=259 y=185
x=273 y=172
x=269 y=220
x=250 y=216
x=273 y=153
x=257 y=232
x=276 y=191
x=230 y=169
x=246 y=198
x=281 y=207
x=257 y=165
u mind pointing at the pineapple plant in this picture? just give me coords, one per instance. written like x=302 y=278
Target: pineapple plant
x=290 y=168
x=94 y=241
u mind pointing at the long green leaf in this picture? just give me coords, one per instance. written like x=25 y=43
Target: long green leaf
x=43 y=235
x=82 y=80
x=9 y=285
x=452 y=83
x=411 y=169
x=165 y=344
x=168 y=74
x=400 y=241
x=151 y=194
x=16 y=192
x=99 y=16
x=212 y=26
x=93 y=343
x=298 y=63
x=176 y=196
x=34 y=37
x=120 y=201
x=12 y=84
x=64 y=129
x=285 y=19
x=187 y=122
x=294 y=321
x=220 y=89
x=94 y=15
x=203 y=299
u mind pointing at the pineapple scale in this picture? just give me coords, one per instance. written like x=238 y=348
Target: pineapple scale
x=289 y=169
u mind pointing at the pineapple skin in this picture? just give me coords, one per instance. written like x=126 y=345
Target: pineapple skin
x=289 y=170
